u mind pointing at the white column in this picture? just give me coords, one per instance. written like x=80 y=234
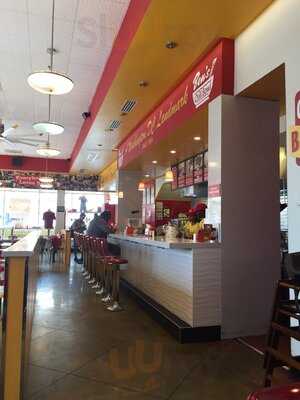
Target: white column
x=244 y=160
x=60 y=211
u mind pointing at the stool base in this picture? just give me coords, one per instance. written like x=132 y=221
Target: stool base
x=115 y=307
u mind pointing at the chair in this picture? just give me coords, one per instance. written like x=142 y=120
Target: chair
x=292 y=262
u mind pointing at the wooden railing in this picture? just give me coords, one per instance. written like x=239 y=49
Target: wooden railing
x=21 y=269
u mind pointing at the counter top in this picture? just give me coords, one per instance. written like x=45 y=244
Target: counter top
x=23 y=247
x=163 y=243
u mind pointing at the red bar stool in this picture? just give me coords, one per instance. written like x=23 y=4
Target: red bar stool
x=100 y=267
x=112 y=282
x=92 y=253
x=288 y=392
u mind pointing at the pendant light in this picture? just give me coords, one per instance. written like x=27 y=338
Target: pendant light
x=49 y=127
x=46 y=150
x=49 y=81
x=46 y=179
x=46 y=186
x=141 y=186
x=169 y=176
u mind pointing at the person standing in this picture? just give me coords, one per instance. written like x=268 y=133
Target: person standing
x=83 y=201
x=78 y=226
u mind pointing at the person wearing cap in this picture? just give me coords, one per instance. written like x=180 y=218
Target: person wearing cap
x=196 y=220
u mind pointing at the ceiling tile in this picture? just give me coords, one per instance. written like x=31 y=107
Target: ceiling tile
x=14 y=5
x=65 y=9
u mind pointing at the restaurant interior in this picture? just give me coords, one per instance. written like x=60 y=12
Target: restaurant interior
x=149 y=200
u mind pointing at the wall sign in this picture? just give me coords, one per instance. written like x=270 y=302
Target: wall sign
x=19 y=179
x=213 y=76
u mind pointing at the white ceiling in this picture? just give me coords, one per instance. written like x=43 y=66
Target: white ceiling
x=84 y=34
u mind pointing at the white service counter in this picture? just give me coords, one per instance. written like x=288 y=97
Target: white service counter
x=182 y=276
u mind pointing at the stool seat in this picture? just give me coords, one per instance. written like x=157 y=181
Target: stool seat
x=118 y=260
x=288 y=392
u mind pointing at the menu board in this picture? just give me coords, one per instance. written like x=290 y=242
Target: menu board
x=198 y=168
x=189 y=172
x=205 y=165
x=181 y=174
x=175 y=177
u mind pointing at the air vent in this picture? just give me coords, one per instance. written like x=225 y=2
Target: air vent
x=92 y=157
x=128 y=106
x=113 y=125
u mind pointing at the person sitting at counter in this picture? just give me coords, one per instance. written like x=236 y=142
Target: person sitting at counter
x=196 y=220
x=99 y=226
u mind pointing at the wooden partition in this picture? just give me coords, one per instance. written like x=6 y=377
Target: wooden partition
x=22 y=264
x=66 y=246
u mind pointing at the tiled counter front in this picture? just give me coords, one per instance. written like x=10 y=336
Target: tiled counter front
x=184 y=281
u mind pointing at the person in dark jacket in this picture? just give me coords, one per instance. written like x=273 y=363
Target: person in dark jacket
x=78 y=226
x=99 y=226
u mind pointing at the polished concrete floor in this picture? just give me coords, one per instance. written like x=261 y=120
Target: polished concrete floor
x=81 y=351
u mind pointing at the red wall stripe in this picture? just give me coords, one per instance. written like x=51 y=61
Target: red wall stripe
x=36 y=164
x=131 y=22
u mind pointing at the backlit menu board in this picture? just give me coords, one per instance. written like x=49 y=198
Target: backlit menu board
x=198 y=168
x=175 y=177
x=189 y=172
x=181 y=174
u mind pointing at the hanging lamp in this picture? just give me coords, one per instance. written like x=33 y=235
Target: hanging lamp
x=49 y=127
x=141 y=186
x=46 y=150
x=49 y=81
x=46 y=179
x=169 y=176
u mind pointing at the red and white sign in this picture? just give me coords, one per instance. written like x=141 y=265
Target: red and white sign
x=32 y=181
x=214 y=191
x=295 y=135
x=213 y=76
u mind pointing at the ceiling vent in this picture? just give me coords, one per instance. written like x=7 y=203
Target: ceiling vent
x=92 y=157
x=113 y=125
x=127 y=107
